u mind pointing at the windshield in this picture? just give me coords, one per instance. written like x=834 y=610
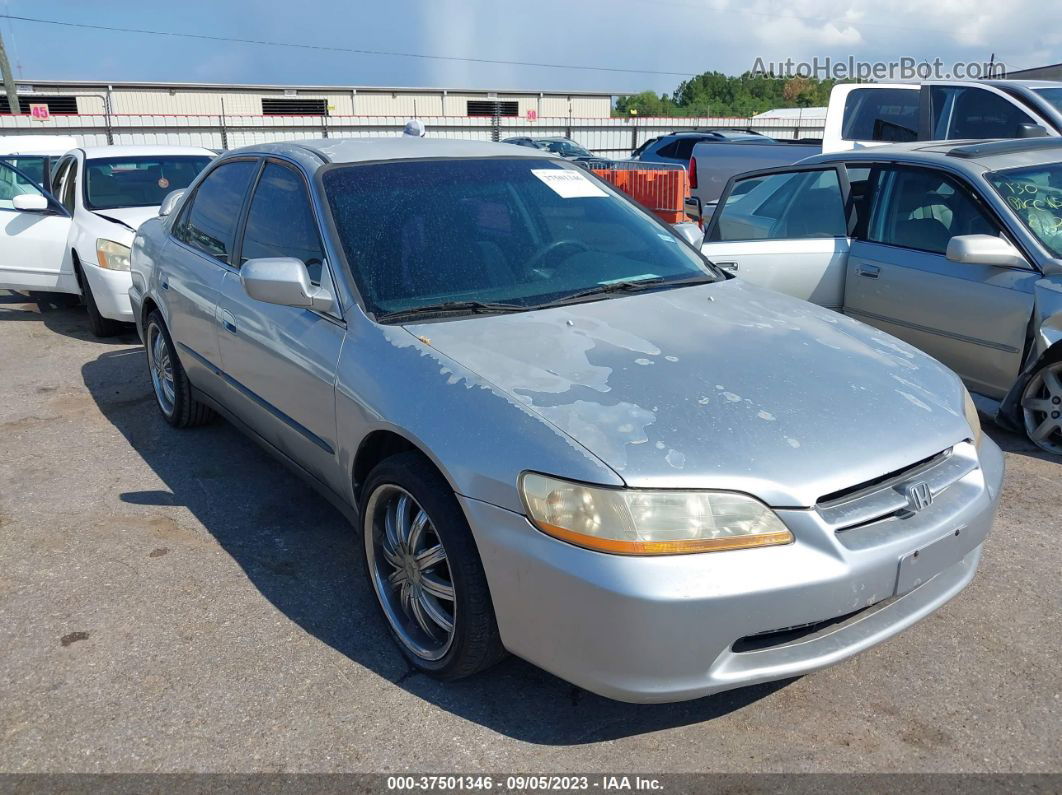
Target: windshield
x=30 y=165
x=113 y=182
x=566 y=149
x=520 y=231
x=1052 y=95
x=1035 y=195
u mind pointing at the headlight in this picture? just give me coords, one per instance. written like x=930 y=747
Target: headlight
x=970 y=410
x=112 y=256
x=658 y=522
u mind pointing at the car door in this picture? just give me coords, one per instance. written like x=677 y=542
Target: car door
x=786 y=229
x=974 y=318
x=197 y=257
x=279 y=360
x=33 y=241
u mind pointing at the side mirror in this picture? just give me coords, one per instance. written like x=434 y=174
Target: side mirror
x=30 y=202
x=693 y=208
x=170 y=202
x=985 y=250
x=691 y=233
x=1029 y=130
x=283 y=281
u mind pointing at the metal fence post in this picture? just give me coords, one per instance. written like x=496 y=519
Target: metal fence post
x=495 y=123
x=221 y=123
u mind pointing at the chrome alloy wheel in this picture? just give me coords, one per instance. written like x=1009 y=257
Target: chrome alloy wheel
x=410 y=572
x=161 y=369
x=1042 y=405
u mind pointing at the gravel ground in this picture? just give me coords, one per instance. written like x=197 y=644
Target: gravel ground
x=176 y=601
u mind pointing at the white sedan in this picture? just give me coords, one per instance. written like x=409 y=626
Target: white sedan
x=76 y=240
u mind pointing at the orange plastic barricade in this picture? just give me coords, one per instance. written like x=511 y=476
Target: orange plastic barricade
x=661 y=188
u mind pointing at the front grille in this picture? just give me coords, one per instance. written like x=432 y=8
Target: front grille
x=883 y=497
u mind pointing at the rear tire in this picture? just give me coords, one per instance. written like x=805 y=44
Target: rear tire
x=425 y=570
x=173 y=390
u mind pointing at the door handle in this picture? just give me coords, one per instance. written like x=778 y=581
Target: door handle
x=870 y=271
x=228 y=320
x=728 y=266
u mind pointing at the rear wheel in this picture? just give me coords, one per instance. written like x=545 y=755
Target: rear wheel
x=1041 y=404
x=425 y=570
x=173 y=390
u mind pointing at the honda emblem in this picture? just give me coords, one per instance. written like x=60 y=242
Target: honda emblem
x=918 y=495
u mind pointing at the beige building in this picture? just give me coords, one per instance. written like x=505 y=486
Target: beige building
x=192 y=99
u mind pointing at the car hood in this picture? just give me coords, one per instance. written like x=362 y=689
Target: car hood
x=129 y=216
x=723 y=386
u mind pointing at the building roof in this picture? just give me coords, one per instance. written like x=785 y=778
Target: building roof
x=102 y=84
x=792 y=113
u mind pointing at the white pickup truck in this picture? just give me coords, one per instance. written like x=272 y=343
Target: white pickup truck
x=872 y=114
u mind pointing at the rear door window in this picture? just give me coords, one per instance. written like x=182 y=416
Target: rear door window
x=209 y=220
x=784 y=205
x=971 y=112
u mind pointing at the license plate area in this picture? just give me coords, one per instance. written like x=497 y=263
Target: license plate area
x=920 y=565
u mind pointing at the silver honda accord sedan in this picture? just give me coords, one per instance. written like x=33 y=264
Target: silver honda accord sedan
x=561 y=431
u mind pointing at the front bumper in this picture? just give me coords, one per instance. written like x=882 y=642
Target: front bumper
x=111 y=291
x=680 y=627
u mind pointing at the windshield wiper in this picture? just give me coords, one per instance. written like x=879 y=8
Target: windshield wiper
x=452 y=308
x=633 y=286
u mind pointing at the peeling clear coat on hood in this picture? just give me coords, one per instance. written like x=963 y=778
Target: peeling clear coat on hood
x=752 y=391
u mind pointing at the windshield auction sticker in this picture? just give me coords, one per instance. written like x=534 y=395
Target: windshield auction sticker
x=568 y=184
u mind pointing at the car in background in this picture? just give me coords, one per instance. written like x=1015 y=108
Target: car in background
x=954 y=247
x=873 y=114
x=713 y=163
x=35 y=155
x=75 y=238
x=560 y=430
x=677 y=147
x=564 y=147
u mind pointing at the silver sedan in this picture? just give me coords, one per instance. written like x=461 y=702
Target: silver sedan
x=562 y=432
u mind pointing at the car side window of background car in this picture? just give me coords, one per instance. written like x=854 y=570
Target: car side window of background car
x=970 y=112
x=795 y=204
x=57 y=177
x=209 y=220
x=69 y=185
x=281 y=223
x=923 y=209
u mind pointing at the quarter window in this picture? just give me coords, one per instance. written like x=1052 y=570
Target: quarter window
x=923 y=210
x=281 y=223
x=209 y=220
x=881 y=114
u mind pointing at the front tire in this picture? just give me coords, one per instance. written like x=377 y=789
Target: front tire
x=425 y=570
x=1041 y=405
x=101 y=326
x=173 y=390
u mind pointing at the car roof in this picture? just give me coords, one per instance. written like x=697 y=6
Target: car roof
x=361 y=150
x=94 y=152
x=970 y=155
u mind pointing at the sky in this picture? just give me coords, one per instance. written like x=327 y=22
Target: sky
x=644 y=37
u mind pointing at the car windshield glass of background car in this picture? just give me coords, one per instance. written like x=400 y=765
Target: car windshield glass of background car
x=519 y=231
x=137 y=181
x=1035 y=195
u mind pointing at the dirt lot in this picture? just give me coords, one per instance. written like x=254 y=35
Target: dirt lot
x=177 y=601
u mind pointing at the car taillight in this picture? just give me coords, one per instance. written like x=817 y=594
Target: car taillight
x=693 y=172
